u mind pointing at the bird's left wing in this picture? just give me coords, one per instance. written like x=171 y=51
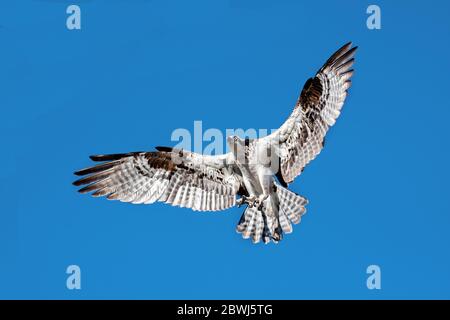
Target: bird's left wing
x=176 y=177
x=301 y=138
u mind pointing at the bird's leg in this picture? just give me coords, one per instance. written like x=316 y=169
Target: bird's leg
x=250 y=201
x=245 y=200
x=260 y=200
x=241 y=201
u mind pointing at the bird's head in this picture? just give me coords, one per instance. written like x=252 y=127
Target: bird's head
x=234 y=141
x=237 y=145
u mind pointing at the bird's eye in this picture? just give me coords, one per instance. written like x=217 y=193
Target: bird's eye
x=236 y=139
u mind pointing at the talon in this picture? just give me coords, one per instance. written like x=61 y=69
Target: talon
x=250 y=201
x=243 y=200
x=261 y=200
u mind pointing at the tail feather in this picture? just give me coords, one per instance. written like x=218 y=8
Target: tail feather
x=257 y=235
x=279 y=212
x=250 y=226
x=285 y=223
x=292 y=205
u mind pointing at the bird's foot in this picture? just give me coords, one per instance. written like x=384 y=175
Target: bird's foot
x=252 y=201
x=246 y=200
x=260 y=201
x=241 y=201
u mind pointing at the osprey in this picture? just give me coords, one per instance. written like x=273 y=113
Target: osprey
x=245 y=175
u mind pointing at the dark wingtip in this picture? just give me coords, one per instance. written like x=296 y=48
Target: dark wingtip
x=107 y=157
x=98 y=168
x=97 y=157
x=77 y=183
x=115 y=156
x=84 y=190
x=164 y=149
x=348 y=44
x=343 y=51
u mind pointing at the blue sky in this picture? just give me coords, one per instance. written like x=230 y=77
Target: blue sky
x=137 y=70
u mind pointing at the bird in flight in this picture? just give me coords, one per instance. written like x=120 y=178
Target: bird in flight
x=255 y=173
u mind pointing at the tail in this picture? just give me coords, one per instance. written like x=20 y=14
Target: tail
x=280 y=210
x=292 y=208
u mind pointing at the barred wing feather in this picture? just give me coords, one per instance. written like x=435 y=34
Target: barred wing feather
x=179 y=178
x=301 y=138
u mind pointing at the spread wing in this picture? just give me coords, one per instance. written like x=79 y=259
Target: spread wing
x=301 y=138
x=176 y=177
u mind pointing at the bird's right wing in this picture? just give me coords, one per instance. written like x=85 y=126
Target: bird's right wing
x=176 y=177
x=301 y=138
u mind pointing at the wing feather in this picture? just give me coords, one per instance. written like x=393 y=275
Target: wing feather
x=172 y=176
x=301 y=138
